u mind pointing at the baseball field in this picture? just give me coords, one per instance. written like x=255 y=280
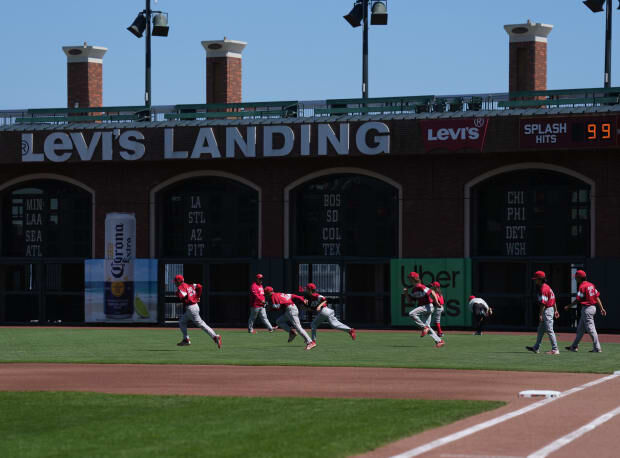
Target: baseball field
x=133 y=392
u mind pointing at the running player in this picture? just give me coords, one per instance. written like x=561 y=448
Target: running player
x=588 y=297
x=190 y=296
x=257 y=305
x=548 y=311
x=438 y=309
x=426 y=299
x=318 y=303
x=291 y=313
x=481 y=312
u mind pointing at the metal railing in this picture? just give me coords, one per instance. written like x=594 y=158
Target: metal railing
x=394 y=106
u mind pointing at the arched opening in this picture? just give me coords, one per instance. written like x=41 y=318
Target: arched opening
x=46 y=234
x=207 y=229
x=526 y=219
x=343 y=227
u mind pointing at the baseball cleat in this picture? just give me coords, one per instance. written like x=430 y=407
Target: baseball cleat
x=184 y=343
x=532 y=349
x=271 y=330
x=477 y=333
x=553 y=352
x=571 y=348
x=596 y=351
x=440 y=344
x=440 y=334
x=425 y=331
x=311 y=345
x=352 y=333
x=291 y=335
x=252 y=331
x=218 y=341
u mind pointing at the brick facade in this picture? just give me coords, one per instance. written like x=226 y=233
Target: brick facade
x=528 y=66
x=84 y=84
x=224 y=80
x=430 y=181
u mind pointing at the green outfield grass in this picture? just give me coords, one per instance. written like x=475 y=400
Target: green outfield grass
x=96 y=425
x=371 y=349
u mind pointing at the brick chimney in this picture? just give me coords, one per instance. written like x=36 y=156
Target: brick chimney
x=224 y=70
x=528 y=56
x=84 y=75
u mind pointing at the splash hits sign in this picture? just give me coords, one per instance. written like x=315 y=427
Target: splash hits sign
x=454 y=134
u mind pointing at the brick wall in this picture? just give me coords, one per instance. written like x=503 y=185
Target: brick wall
x=84 y=84
x=224 y=80
x=432 y=184
x=528 y=66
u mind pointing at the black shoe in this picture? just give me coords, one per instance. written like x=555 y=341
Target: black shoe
x=532 y=349
x=571 y=348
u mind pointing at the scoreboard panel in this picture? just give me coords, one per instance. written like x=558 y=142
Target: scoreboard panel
x=568 y=132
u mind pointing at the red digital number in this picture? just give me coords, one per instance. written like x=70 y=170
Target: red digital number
x=606 y=128
x=591 y=131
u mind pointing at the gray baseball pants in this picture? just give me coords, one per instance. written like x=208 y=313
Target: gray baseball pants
x=436 y=315
x=327 y=314
x=546 y=325
x=193 y=313
x=255 y=312
x=586 y=324
x=292 y=314
x=422 y=313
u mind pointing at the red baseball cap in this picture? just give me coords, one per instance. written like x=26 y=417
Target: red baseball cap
x=472 y=297
x=580 y=274
x=311 y=286
x=435 y=284
x=414 y=275
x=259 y=276
x=539 y=274
x=268 y=289
x=179 y=278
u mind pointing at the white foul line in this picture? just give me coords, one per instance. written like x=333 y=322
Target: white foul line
x=495 y=421
x=562 y=441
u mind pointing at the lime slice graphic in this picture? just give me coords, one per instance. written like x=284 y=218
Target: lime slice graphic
x=141 y=308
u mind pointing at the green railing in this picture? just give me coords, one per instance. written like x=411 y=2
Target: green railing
x=410 y=105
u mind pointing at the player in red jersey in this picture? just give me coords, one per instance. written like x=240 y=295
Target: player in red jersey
x=291 y=313
x=438 y=309
x=257 y=305
x=588 y=297
x=190 y=296
x=426 y=300
x=548 y=311
x=318 y=304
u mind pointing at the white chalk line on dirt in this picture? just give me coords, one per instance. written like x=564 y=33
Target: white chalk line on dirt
x=495 y=421
x=565 y=440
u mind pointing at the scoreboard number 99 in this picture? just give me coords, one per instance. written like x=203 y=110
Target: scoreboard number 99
x=597 y=131
x=591 y=132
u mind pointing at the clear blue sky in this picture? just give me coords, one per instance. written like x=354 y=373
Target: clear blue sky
x=297 y=49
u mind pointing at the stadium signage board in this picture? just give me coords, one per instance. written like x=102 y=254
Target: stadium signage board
x=264 y=141
x=454 y=134
x=567 y=132
x=454 y=276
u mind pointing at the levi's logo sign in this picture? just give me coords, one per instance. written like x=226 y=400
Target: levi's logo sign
x=454 y=134
x=460 y=133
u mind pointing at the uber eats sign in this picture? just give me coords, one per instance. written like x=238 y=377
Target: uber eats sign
x=454 y=276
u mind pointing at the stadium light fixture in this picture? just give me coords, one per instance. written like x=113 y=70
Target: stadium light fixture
x=358 y=16
x=160 y=29
x=596 y=6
